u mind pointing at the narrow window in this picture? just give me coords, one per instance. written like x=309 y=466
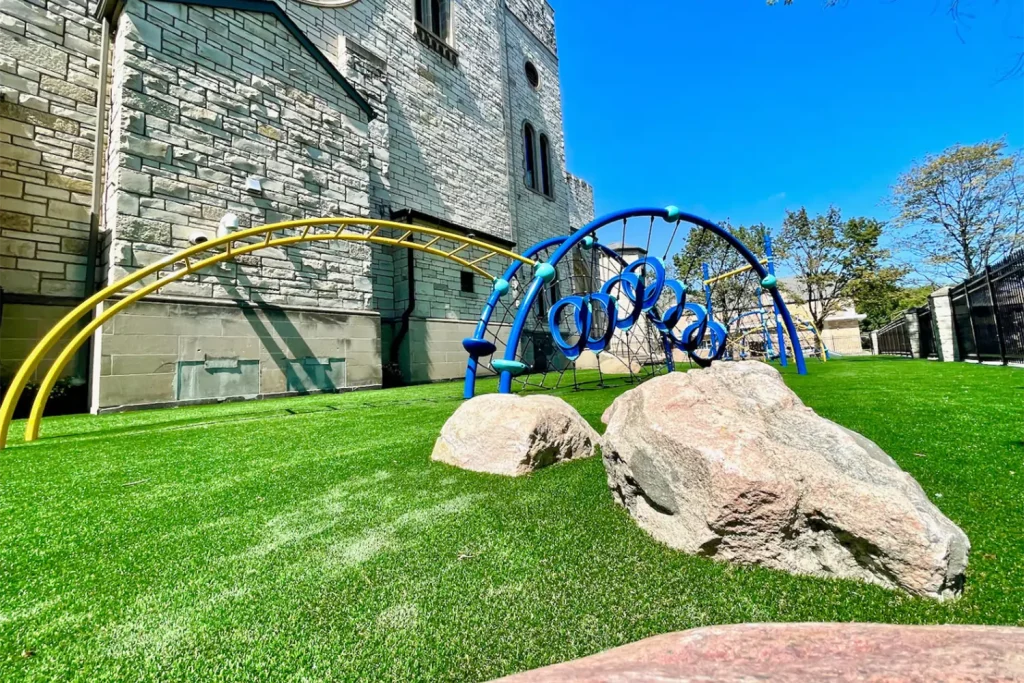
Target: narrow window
x=466 y=280
x=437 y=19
x=528 y=157
x=545 y=166
x=433 y=16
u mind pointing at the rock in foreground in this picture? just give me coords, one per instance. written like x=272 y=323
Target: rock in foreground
x=806 y=653
x=727 y=462
x=513 y=435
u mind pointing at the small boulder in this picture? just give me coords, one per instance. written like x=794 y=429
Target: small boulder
x=728 y=462
x=513 y=435
x=804 y=653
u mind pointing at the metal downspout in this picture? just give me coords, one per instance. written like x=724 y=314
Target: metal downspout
x=96 y=211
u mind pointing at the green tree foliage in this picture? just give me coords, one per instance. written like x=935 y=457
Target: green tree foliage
x=960 y=209
x=881 y=294
x=828 y=256
x=730 y=296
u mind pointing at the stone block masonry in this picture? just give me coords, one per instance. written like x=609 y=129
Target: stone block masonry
x=205 y=99
x=48 y=67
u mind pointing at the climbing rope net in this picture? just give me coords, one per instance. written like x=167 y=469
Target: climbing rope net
x=609 y=311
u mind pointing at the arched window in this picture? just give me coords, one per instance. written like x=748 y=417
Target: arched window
x=529 y=157
x=545 y=166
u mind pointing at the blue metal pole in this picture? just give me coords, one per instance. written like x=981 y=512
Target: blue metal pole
x=783 y=361
x=669 y=214
x=505 y=383
x=469 y=386
x=706 y=272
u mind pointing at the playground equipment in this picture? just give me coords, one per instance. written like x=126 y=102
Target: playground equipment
x=739 y=345
x=752 y=338
x=626 y=308
x=633 y=312
x=468 y=253
x=752 y=333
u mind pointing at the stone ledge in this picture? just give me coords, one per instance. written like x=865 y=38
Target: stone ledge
x=804 y=652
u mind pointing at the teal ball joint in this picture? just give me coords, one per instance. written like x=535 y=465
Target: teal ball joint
x=769 y=282
x=589 y=241
x=501 y=286
x=672 y=213
x=545 y=271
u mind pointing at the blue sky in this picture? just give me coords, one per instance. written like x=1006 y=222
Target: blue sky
x=738 y=110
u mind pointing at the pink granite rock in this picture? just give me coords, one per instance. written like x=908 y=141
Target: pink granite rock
x=513 y=435
x=728 y=463
x=809 y=653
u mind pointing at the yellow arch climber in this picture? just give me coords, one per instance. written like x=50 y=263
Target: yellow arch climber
x=223 y=248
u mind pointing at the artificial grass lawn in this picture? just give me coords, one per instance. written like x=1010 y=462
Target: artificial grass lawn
x=312 y=538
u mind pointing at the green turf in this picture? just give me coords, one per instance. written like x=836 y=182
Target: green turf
x=312 y=538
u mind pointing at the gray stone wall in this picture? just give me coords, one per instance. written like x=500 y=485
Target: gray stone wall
x=537 y=216
x=538 y=17
x=447 y=143
x=581 y=201
x=48 y=66
x=200 y=105
x=203 y=99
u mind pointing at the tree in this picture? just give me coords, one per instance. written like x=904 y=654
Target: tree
x=729 y=296
x=828 y=256
x=881 y=294
x=962 y=208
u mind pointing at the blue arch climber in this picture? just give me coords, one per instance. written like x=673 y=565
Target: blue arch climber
x=478 y=347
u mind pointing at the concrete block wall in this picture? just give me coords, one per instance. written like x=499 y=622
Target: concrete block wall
x=160 y=352
x=202 y=99
x=436 y=353
x=23 y=325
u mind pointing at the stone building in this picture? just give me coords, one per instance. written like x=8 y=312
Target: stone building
x=219 y=113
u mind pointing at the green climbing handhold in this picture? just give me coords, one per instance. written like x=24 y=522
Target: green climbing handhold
x=545 y=271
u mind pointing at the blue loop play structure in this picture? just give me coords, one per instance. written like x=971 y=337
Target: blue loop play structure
x=636 y=293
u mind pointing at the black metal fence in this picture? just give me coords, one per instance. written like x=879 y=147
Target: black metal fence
x=925 y=333
x=988 y=312
x=894 y=339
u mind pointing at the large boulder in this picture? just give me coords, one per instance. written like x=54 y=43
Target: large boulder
x=513 y=435
x=727 y=462
x=805 y=653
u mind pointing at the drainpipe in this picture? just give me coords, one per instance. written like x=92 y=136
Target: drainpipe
x=396 y=341
x=92 y=248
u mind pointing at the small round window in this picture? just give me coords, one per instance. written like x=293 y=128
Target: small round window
x=532 y=77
